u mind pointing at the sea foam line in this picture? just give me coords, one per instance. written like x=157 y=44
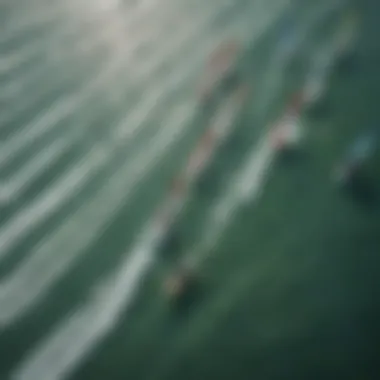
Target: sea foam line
x=136 y=117
x=39 y=164
x=95 y=40
x=111 y=298
x=61 y=352
x=29 y=283
x=76 y=177
x=23 y=225
x=13 y=60
x=246 y=186
x=102 y=309
x=27 y=277
x=123 y=130
x=48 y=119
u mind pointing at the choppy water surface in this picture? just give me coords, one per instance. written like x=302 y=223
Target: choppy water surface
x=99 y=110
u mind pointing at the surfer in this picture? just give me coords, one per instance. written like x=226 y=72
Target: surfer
x=294 y=107
x=172 y=242
x=221 y=72
x=287 y=134
x=180 y=282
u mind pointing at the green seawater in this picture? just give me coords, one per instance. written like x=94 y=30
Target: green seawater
x=290 y=290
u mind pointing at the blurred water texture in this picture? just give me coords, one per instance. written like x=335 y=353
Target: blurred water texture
x=99 y=110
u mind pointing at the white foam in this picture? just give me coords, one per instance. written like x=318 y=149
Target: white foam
x=42 y=267
x=50 y=201
x=47 y=120
x=13 y=60
x=36 y=166
x=36 y=129
x=40 y=210
x=92 y=321
x=15 y=298
x=56 y=357
x=246 y=186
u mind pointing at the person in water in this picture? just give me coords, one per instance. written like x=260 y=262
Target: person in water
x=180 y=282
x=221 y=73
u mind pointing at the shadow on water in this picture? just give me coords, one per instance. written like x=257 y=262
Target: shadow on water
x=172 y=245
x=321 y=109
x=181 y=310
x=180 y=305
x=206 y=187
x=183 y=306
x=348 y=64
x=363 y=190
x=294 y=156
x=298 y=162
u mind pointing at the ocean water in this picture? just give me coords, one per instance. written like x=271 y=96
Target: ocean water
x=99 y=111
